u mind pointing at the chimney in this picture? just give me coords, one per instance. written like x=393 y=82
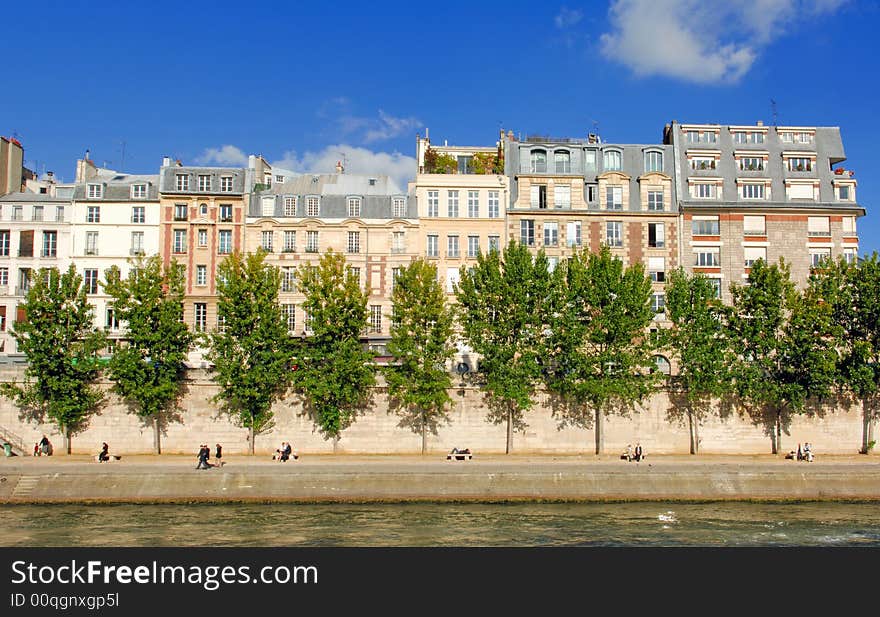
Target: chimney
x=339 y=168
x=166 y=161
x=178 y=163
x=50 y=177
x=88 y=152
x=760 y=123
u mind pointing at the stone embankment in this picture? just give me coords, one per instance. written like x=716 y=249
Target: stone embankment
x=174 y=479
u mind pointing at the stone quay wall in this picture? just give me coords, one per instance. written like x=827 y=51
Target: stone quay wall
x=657 y=425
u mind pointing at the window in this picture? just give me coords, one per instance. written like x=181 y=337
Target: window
x=50 y=244
x=751 y=163
x=849 y=225
x=433 y=203
x=288 y=312
x=563 y=162
x=354 y=207
x=592 y=191
x=702 y=190
x=562 y=196
x=91 y=243
x=224 y=241
x=313 y=206
x=453 y=277
x=527 y=232
x=226 y=184
x=748 y=137
x=137 y=243
x=311 y=242
x=375 y=318
x=473 y=246
x=288 y=280
x=59 y=213
x=398 y=244
x=818 y=226
x=658 y=302
x=37 y=213
x=93 y=214
x=754 y=225
x=709 y=227
x=473 y=201
x=95 y=191
x=201 y=314
x=614 y=233
x=707 y=256
x=268 y=206
x=465 y=164
x=182 y=182
x=817 y=256
x=4 y=276
x=201 y=275
x=179 y=245
x=843 y=192
x=266 y=240
x=452 y=204
x=226 y=212
x=538 y=196
x=290 y=206
x=796 y=137
x=26 y=243
x=279 y=178
x=204 y=183
x=653 y=161
x=494 y=243
x=573 y=233
x=611 y=160
x=90 y=280
x=355 y=272
x=614 y=198
x=4 y=243
x=752 y=191
x=538 y=160
x=452 y=246
x=24 y=280
x=657 y=269
x=656 y=235
x=203 y=237
x=289 y=242
x=655 y=201
x=716 y=285
x=203 y=209
x=551 y=234
x=798 y=163
x=112 y=321
x=180 y=212
x=354 y=242
x=494 y=212
x=308 y=322
x=590 y=160
x=16 y=213
x=138 y=214
x=752 y=254
x=849 y=256
x=398 y=207
x=433 y=246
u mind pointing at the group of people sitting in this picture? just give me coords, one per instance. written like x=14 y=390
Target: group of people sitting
x=631 y=454
x=205 y=454
x=802 y=454
x=283 y=454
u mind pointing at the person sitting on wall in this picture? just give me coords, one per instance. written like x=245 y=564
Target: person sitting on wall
x=104 y=455
x=800 y=453
x=808 y=452
x=285 y=452
x=628 y=453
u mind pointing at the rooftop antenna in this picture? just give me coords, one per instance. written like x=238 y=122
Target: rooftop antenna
x=775 y=115
x=344 y=160
x=122 y=164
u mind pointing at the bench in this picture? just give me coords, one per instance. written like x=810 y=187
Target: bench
x=459 y=456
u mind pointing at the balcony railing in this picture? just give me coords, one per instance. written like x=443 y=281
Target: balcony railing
x=49 y=253
x=311 y=249
x=136 y=252
x=819 y=234
x=89 y=251
x=398 y=249
x=289 y=249
x=22 y=291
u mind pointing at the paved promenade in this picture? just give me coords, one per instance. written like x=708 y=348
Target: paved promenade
x=326 y=478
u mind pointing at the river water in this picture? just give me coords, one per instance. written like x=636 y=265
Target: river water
x=521 y=524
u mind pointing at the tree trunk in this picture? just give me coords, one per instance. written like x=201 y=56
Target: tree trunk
x=65 y=433
x=424 y=434
x=777 y=433
x=600 y=431
x=157 y=444
x=251 y=437
x=509 y=430
x=692 y=430
x=335 y=444
x=867 y=427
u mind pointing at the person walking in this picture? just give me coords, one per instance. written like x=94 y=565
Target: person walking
x=218 y=454
x=204 y=453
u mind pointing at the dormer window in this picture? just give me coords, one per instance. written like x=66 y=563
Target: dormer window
x=399 y=207
x=204 y=183
x=653 y=161
x=795 y=137
x=799 y=163
x=138 y=191
x=538 y=161
x=226 y=184
x=748 y=137
x=612 y=160
x=354 y=207
x=182 y=182
x=95 y=191
x=562 y=158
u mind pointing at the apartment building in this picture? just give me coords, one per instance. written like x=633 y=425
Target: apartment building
x=11 y=166
x=570 y=194
x=366 y=218
x=461 y=207
x=115 y=219
x=201 y=220
x=760 y=192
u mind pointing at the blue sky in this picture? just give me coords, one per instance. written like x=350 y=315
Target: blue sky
x=302 y=84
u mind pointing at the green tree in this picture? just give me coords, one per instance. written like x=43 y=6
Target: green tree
x=436 y=163
x=251 y=348
x=421 y=345
x=61 y=344
x=783 y=346
x=502 y=311
x=853 y=291
x=696 y=337
x=335 y=373
x=148 y=370
x=600 y=357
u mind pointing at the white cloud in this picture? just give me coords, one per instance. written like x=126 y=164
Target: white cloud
x=704 y=42
x=567 y=18
x=388 y=127
x=224 y=155
x=399 y=167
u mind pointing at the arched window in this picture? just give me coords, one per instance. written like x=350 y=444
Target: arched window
x=653 y=161
x=203 y=209
x=612 y=160
x=563 y=161
x=539 y=161
x=662 y=364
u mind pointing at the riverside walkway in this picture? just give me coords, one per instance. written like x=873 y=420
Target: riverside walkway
x=400 y=478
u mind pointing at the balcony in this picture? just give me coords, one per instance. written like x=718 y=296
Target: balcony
x=453 y=255
x=289 y=249
x=136 y=252
x=49 y=253
x=22 y=291
x=91 y=251
x=819 y=234
x=396 y=250
x=225 y=218
x=311 y=249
